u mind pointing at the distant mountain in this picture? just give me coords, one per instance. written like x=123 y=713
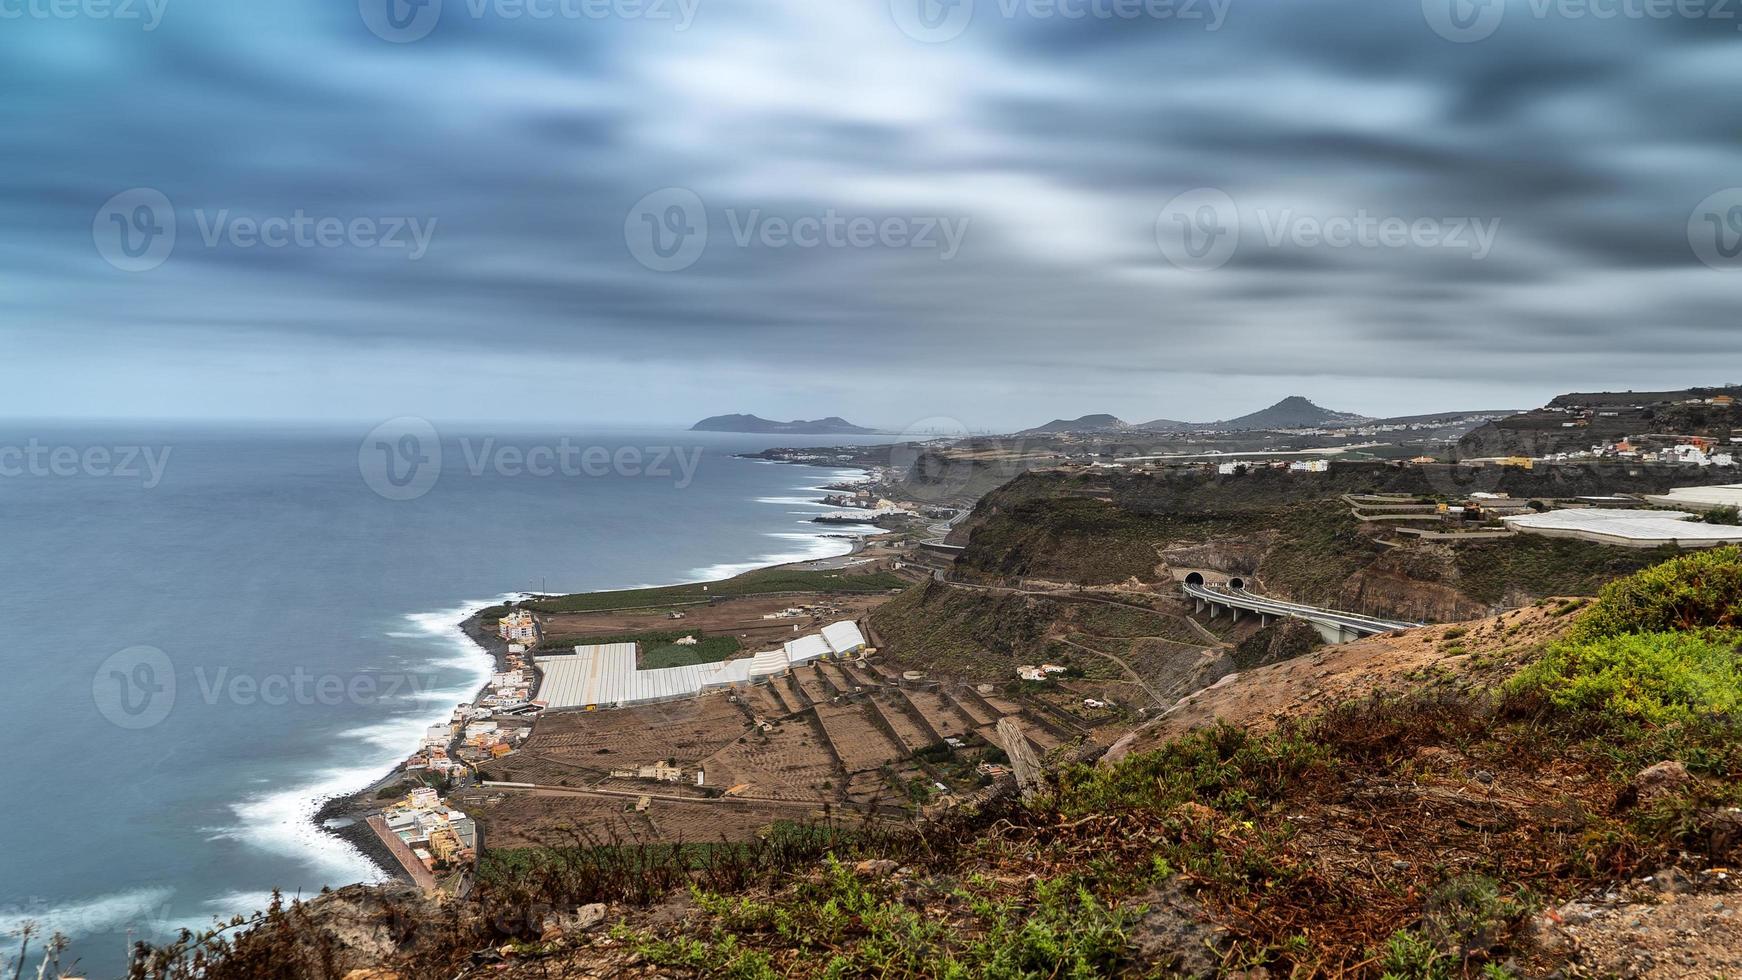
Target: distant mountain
x=832 y=426
x=1293 y=412
x=1088 y=423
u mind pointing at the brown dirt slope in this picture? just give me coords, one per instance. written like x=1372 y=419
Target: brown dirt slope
x=1256 y=700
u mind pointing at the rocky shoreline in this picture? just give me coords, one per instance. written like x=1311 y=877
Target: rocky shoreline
x=344 y=816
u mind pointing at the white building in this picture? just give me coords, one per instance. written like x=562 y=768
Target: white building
x=518 y=627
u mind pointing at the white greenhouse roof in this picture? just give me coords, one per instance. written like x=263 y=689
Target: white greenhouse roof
x=1722 y=496
x=1637 y=528
x=606 y=676
x=843 y=637
x=807 y=648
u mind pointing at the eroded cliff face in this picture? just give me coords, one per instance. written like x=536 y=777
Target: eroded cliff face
x=1376 y=591
x=1234 y=555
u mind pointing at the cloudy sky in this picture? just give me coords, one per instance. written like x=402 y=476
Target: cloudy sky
x=993 y=210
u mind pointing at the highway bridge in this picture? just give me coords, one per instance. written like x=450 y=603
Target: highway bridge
x=1334 y=626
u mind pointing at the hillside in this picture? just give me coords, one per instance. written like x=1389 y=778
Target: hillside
x=1292 y=535
x=833 y=425
x=1548 y=792
x=1577 y=421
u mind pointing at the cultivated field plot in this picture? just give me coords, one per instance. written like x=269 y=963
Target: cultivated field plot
x=510 y=820
x=766 y=704
x=541 y=770
x=811 y=684
x=862 y=676
x=872 y=789
x=721 y=819
x=736 y=617
x=836 y=678
x=686 y=731
x=792 y=762
x=789 y=691
x=857 y=740
x=975 y=709
x=895 y=711
x=943 y=716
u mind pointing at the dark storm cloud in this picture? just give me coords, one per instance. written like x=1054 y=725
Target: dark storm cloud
x=1052 y=146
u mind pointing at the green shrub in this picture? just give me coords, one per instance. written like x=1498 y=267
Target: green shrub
x=1657 y=679
x=1692 y=592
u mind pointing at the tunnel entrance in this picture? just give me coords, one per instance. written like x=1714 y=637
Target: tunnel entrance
x=1194 y=579
x=1236 y=584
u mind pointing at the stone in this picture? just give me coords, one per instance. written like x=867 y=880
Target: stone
x=1657 y=782
x=875 y=868
x=586 y=917
x=580 y=920
x=1672 y=881
x=1173 y=934
x=1726 y=834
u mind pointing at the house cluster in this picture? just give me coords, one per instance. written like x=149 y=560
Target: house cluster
x=863 y=498
x=1029 y=672
x=478 y=728
x=438 y=835
x=508 y=694
x=432 y=755
x=481 y=741
x=1385 y=428
x=1296 y=466
x=1679 y=450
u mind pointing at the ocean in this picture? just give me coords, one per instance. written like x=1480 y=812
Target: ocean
x=207 y=630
